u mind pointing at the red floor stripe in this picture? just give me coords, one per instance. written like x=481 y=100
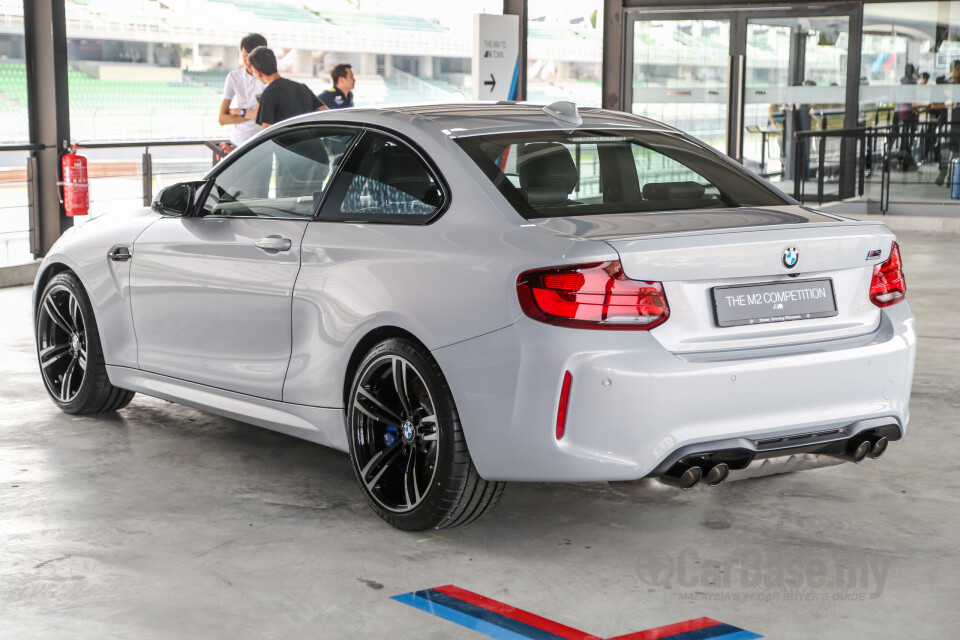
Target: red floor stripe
x=517 y=614
x=670 y=630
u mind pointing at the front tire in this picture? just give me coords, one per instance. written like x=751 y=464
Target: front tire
x=69 y=352
x=407 y=446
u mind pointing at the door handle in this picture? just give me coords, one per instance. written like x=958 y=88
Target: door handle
x=274 y=243
x=120 y=254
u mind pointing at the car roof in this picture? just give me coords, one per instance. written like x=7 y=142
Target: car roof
x=463 y=119
x=467 y=119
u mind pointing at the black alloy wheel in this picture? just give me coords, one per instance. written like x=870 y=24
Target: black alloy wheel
x=408 y=450
x=69 y=353
x=62 y=342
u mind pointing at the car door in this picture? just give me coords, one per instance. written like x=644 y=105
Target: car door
x=363 y=259
x=211 y=293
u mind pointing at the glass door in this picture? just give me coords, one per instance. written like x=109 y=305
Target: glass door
x=680 y=68
x=745 y=80
x=795 y=78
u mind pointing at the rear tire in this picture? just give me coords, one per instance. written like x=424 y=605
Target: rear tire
x=69 y=352
x=408 y=449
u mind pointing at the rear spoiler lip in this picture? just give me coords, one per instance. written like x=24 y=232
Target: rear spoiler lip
x=642 y=226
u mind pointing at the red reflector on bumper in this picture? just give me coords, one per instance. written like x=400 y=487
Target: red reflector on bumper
x=562 y=406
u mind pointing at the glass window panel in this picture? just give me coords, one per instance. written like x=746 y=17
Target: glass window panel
x=795 y=74
x=14 y=212
x=557 y=174
x=565 y=51
x=284 y=176
x=385 y=181
x=907 y=95
x=680 y=70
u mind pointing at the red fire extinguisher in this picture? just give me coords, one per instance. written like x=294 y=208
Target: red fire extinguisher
x=76 y=198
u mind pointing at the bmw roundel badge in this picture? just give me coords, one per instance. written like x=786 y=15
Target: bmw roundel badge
x=790 y=257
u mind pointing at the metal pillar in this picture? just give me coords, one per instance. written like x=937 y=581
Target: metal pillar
x=851 y=116
x=519 y=8
x=614 y=63
x=45 y=40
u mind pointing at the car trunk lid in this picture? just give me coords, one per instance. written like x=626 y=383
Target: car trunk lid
x=747 y=248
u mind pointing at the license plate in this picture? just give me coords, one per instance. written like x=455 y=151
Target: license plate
x=774 y=302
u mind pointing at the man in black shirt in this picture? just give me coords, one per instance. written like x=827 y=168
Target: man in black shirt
x=282 y=98
x=341 y=95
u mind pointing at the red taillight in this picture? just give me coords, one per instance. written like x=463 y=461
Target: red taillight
x=592 y=296
x=888 y=286
x=562 y=405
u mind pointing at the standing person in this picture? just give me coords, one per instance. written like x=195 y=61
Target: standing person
x=243 y=86
x=341 y=95
x=803 y=121
x=929 y=140
x=282 y=98
x=909 y=118
x=950 y=120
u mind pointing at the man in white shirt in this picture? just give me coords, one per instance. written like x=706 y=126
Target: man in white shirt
x=244 y=87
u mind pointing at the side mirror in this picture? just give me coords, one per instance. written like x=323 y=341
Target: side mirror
x=177 y=200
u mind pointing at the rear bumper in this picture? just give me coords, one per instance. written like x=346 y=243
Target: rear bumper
x=739 y=453
x=635 y=407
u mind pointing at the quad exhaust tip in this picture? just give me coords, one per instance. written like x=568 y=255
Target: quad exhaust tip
x=686 y=475
x=682 y=475
x=717 y=472
x=866 y=446
x=857 y=450
x=878 y=446
x=714 y=473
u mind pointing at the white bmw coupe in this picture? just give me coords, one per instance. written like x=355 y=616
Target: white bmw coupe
x=464 y=295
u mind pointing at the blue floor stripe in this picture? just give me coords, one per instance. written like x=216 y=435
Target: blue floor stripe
x=716 y=632
x=480 y=626
x=522 y=628
x=741 y=635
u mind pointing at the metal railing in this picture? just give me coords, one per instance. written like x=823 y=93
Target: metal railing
x=20 y=215
x=147 y=172
x=871 y=147
x=823 y=156
x=17 y=211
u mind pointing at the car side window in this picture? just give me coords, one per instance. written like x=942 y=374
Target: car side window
x=282 y=177
x=384 y=181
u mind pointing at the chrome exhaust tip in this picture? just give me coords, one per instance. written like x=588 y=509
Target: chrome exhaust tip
x=717 y=474
x=878 y=445
x=857 y=450
x=682 y=475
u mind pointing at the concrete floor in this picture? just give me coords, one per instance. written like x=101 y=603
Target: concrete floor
x=165 y=522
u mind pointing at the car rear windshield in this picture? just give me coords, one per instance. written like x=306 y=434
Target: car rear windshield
x=548 y=174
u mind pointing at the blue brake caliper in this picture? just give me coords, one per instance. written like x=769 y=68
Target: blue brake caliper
x=389 y=437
